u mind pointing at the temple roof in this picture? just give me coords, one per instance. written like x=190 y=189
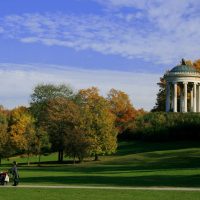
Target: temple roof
x=184 y=68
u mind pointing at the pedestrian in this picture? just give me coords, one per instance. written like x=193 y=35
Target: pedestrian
x=15 y=174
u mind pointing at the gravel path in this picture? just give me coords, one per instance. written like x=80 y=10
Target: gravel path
x=105 y=188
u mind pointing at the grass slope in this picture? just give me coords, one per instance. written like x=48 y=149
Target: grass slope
x=135 y=164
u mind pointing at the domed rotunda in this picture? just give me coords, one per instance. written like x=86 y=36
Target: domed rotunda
x=182 y=89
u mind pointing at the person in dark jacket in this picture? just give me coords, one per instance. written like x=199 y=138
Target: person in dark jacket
x=15 y=174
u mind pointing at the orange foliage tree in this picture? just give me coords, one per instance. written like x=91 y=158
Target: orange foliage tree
x=122 y=108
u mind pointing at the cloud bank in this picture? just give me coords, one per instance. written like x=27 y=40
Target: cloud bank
x=17 y=84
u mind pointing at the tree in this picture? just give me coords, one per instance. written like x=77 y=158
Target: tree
x=42 y=95
x=122 y=108
x=42 y=144
x=196 y=64
x=161 y=96
x=4 y=137
x=77 y=144
x=60 y=122
x=97 y=122
x=22 y=131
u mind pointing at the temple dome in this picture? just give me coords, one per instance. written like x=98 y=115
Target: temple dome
x=184 y=69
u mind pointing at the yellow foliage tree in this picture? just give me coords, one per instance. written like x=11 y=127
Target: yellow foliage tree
x=98 y=122
x=196 y=64
x=4 y=137
x=22 y=131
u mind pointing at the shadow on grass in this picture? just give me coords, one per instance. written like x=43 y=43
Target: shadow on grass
x=167 y=161
x=161 y=180
x=134 y=147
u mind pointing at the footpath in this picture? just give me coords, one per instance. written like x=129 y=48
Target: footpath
x=104 y=187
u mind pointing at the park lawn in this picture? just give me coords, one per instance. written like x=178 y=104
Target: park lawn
x=134 y=164
x=97 y=194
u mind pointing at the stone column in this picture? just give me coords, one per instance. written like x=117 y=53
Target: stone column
x=192 y=100
x=181 y=101
x=175 y=97
x=185 y=97
x=168 y=97
x=195 y=98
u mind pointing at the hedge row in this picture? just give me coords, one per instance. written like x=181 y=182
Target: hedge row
x=160 y=126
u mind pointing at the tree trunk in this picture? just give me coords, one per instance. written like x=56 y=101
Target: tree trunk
x=28 y=163
x=96 y=157
x=74 y=159
x=60 y=156
x=80 y=158
x=39 y=159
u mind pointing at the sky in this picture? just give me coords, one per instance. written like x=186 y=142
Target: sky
x=122 y=44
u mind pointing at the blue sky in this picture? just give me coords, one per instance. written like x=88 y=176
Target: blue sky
x=125 y=44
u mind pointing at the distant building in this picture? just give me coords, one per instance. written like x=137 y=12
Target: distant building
x=183 y=89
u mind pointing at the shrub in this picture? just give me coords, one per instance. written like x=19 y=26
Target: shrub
x=161 y=126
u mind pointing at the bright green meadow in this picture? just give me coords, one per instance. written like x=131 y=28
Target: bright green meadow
x=135 y=164
x=78 y=194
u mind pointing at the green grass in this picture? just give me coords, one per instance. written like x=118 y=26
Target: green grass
x=135 y=164
x=78 y=194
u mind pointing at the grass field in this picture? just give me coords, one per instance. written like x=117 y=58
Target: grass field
x=135 y=164
x=78 y=194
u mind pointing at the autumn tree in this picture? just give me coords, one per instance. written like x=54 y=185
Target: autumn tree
x=196 y=64
x=98 y=122
x=42 y=95
x=122 y=108
x=22 y=131
x=4 y=137
x=62 y=118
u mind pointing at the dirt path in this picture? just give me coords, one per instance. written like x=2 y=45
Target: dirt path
x=105 y=188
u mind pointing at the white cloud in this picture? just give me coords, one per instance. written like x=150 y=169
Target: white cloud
x=17 y=84
x=158 y=31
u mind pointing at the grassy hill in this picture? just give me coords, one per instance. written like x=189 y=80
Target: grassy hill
x=134 y=164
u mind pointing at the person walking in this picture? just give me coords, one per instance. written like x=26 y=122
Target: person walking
x=15 y=174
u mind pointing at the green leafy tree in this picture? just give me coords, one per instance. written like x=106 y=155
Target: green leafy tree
x=42 y=143
x=161 y=96
x=42 y=95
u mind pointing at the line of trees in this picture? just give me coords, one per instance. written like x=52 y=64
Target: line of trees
x=76 y=124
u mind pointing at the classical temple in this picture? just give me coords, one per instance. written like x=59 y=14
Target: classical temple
x=182 y=89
